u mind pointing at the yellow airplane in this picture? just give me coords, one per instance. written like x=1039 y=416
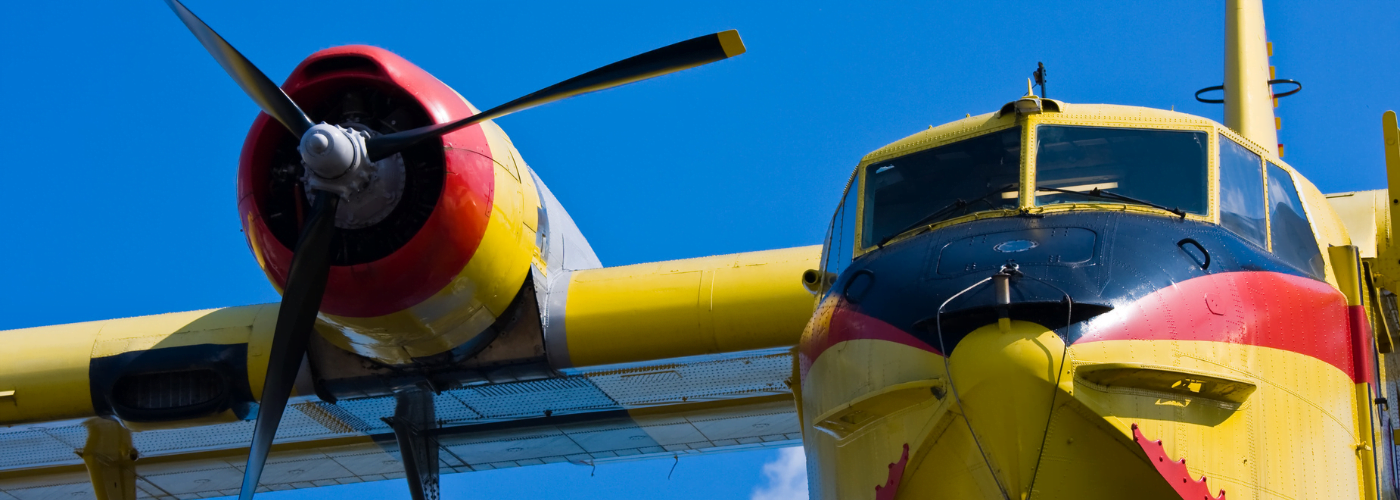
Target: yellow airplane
x=1051 y=300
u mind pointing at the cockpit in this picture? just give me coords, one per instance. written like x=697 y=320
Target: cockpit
x=1088 y=158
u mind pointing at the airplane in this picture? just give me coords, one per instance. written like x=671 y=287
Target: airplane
x=1114 y=389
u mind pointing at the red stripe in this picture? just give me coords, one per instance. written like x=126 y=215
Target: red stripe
x=1264 y=309
x=1361 y=344
x=848 y=324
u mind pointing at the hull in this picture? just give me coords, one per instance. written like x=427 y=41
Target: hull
x=1243 y=369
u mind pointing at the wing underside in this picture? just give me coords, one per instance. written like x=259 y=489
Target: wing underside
x=686 y=406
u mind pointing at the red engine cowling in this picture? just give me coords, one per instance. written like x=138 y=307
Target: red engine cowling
x=424 y=262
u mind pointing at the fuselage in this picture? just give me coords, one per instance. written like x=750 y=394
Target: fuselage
x=1165 y=279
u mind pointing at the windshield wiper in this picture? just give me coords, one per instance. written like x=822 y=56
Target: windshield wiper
x=1099 y=193
x=956 y=204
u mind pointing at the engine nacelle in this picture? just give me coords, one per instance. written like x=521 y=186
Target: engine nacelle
x=440 y=241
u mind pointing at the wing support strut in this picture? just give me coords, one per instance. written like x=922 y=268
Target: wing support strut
x=110 y=460
x=413 y=421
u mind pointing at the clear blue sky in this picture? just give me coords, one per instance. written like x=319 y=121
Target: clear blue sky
x=122 y=135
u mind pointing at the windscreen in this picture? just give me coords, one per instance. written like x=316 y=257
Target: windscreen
x=1121 y=165
x=933 y=185
x=1242 y=192
x=1289 y=230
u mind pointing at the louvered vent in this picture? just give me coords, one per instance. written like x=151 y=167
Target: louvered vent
x=168 y=390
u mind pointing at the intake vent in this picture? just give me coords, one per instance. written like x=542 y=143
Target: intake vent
x=340 y=64
x=168 y=384
x=170 y=391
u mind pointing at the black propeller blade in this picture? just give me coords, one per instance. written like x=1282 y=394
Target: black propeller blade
x=669 y=59
x=301 y=299
x=266 y=94
x=310 y=268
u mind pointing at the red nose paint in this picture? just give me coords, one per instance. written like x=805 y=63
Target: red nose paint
x=448 y=239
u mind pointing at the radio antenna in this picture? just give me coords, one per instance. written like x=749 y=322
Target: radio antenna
x=1040 y=78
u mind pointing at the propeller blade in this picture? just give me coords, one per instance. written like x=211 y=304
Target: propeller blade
x=306 y=283
x=669 y=59
x=266 y=94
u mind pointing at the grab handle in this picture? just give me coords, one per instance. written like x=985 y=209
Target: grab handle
x=1198 y=245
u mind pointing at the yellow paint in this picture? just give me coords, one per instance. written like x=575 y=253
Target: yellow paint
x=1249 y=102
x=1293 y=436
x=1238 y=446
x=1214 y=403
x=1364 y=447
x=688 y=307
x=1012 y=411
x=110 y=459
x=1346 y=262
x=1361 y=213
x=1387 y=262
x=1098 y=115
x=731 y=43
x=47 y=367
x=1327 y=227
x=472 y=301
x=1185 y=382
x=868 y=409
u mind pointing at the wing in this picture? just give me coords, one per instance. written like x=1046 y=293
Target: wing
x=623 y=363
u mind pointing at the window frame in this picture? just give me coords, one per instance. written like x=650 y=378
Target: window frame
x=1029 y=150
x=1263 y=179
x=873 y=158
x=1030 y=146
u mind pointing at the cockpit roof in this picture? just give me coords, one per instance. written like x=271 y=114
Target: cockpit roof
x=1086 y=114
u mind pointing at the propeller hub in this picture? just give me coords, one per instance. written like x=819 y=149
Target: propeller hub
x=330 y=152
x=369 y=191
x=317 y=144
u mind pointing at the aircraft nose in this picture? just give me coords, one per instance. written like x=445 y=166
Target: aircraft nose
x=1005 y=381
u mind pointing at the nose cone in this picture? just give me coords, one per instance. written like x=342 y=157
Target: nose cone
x=1004 y=379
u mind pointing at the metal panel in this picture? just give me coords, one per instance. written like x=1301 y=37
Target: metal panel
x=41 y=446
x=198 y=481
x=623 y=437
x=491 y=451
x=534 y=398
x=702 y=378
x=747 y=427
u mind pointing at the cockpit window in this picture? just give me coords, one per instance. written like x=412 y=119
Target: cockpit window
x=840 y=237
x=1164 y=168
x=1242 y=192
x=1289 y=231
x=981 y=173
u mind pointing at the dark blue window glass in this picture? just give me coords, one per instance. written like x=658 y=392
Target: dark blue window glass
x=1242 y=192
x=1289 y=230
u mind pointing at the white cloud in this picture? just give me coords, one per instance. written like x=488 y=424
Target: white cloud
x=787 y=477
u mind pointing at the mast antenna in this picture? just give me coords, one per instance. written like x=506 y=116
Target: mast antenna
x=1040 y=78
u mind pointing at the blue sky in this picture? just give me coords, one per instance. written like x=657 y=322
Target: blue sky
x=122 y=135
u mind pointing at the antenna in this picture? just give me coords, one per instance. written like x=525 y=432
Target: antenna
x=1040 y=78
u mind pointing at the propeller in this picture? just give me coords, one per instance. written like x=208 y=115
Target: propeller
x=330 y=151
x=669 y=59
